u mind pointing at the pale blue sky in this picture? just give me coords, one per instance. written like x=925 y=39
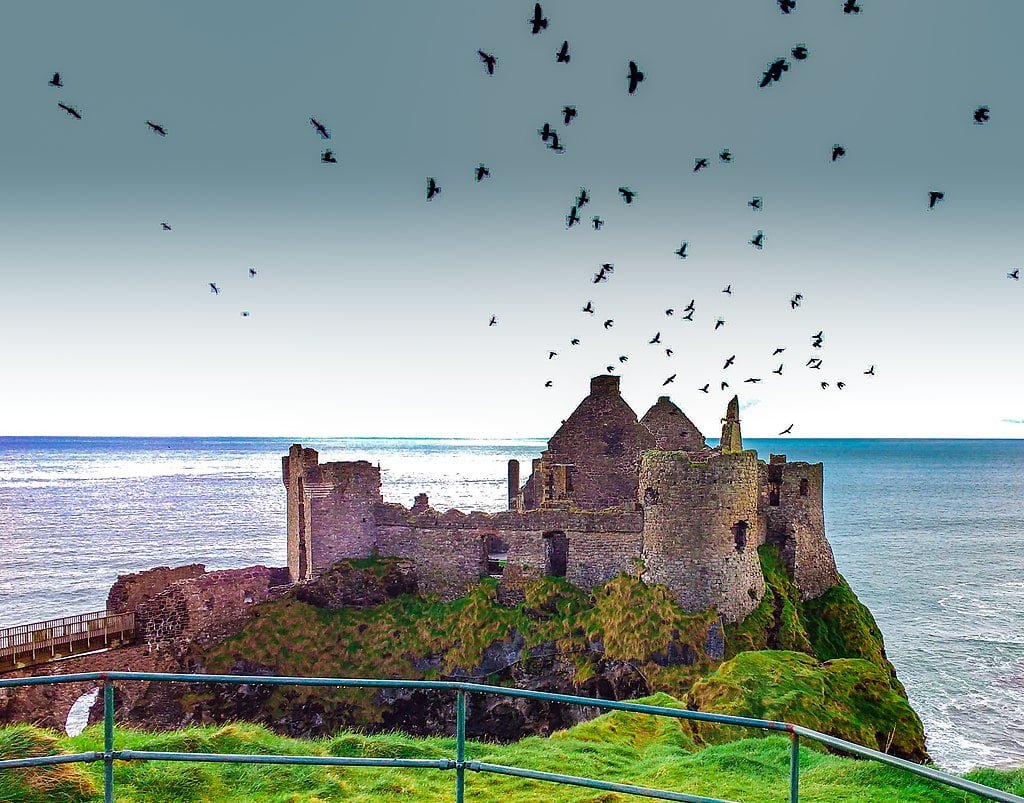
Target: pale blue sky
x=370 y=309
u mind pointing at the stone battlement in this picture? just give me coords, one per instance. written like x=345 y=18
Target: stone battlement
x=611 y=493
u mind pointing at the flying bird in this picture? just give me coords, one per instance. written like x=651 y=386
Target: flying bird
x=493 y=321
x=756 y=203
x=482 y=172
x=688 y=316
x=725 y=156
x=609 y=324
x=596 y=222
x=156 y=128
x=655 y=339
x=165 y=226
x=824 y=385
x=981 y=115
x=788 y=430
x=609 y=369
x=321 y=129
x=600 y=276
x=814 y=363
x=729 y=362
x=934 y=197
x=328 y=158
x=252 y=273
x=778 y=351
x=245 y=313
x=669 y=380
x=623 y=358
x=668 y=352
x=670 y=311
x=690 y=307
x=607 y=267
x=539 y=21
x=552 y=354
x=627 y=194
x=799 y=52
x=758 y=240
x=488 y=60
x=774 y=72
x=555 y=146
x=779 y=369
x=71 y=110
x=785 y=6
x=583 y=198
x=547 y=384
x=851 y=7
x=681 y=250
x=214 y=289
x=840 y=385
x=753 y=380
x=794 y=302
x=568 y=114
x=700 y=163
x=727 y=290
x=589 y=308
x=574 y=342
x=705 y=388
x=723 y=385
x=1014 y=274
x=838 y=151
x=546 y=133
x=562 y=56
x=55 y=81
x=634 y=78
x=870 y=371
x=572 y=218
x=719 y=323
x=432 y=189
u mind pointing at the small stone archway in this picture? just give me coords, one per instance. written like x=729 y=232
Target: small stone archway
x=495 y=556
x=556 y=554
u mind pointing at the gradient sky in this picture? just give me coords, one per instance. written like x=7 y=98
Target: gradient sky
x=369 y=314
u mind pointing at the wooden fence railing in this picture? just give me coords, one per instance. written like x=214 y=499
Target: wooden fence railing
x=39 y=642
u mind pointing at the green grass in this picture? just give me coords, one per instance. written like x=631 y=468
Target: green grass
x=621 y=747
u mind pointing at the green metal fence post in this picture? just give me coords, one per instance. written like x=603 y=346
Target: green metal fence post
x=460 y=746
x=794 y=769
x=108 y=742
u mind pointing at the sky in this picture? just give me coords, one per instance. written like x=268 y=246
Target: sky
x=369 y=312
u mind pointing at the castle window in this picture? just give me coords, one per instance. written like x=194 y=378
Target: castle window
x=495 y=556
x=773 y=495
x=739 y=532
x=804 y=487
x=556 y=551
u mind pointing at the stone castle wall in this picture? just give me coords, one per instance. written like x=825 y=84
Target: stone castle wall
x=131 y=590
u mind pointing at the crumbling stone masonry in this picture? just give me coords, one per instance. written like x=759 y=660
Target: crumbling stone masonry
x=611 y=493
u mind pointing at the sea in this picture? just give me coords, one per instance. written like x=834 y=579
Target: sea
x=930 y=534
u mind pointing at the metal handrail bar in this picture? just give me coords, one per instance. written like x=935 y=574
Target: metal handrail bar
x=460 y=765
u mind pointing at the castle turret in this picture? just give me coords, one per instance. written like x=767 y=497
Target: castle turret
x=732 y=440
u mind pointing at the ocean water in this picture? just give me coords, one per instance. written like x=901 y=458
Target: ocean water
x=930 y=534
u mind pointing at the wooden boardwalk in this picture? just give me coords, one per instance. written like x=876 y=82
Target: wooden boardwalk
x=27 y=645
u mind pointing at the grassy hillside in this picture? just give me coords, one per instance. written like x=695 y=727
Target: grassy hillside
x=622 y=747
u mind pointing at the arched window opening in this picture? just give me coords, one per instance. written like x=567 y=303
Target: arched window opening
x=804 y=486
x=739 y=533
x=495 y=556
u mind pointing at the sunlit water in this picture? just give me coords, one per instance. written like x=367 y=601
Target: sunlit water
x=929 y=533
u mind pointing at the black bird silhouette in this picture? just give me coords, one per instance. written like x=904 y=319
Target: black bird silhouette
x=596 y=222
x=681 y=250
x=555 y=146
x=787 y=430
x=165 y=227
x=589 y=308
x=794 y=302
x=539 y=21
x=774 y=72
x=568 y=113
x=493 y=321
x=981 y=115
x=727 y=289
x=252 y=273
x=669 y=380
x=583 y=198
x=432 y=189
x=753 y=380
x=634 y=78
x=725 y=156
x=758 y=240
x=934 y=197
x=552 y=354
x=700 y=163
x=670 y=311
x=71 y=110
x=840 y=385
x=623 y=358
x=851 y=7
x=607 y=267
x=719 y=323
x=562 y=56
x=655 y=339
x=572 y=218
x=779 y=369
x=574 y=342
x=482 y=172
x=546 y=133
x=838 y=151
x=729 y=362
x=609 y=324
x=688 y=316
x=690 y=307
x=785 y=6
x=755 y=203
x=627 y=194
x=820 y=336
x=157 y=128
x=214 y=289
x=799 y=52
x=668 y=352
x=600 y=277
x=1014 y=274
x=609 y=369
x=547 y=384
x=723 y=385
x=245 y=313
x=55 y=81
x=705 y=388
x=816 y=343
x=778 y=351
x=814 y=363
x=327 y=157
x=321 y=129
x=489 y=60
x=824 y=385
x=870 y=371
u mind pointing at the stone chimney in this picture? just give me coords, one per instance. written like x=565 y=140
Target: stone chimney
x=732 y=440
x=604 y=385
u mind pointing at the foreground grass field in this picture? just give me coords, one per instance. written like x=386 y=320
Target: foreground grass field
x=621 y=747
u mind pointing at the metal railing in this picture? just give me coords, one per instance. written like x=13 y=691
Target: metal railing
x=24 y=645
x=459 y=764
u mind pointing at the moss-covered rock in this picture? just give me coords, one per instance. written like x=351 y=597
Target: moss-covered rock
x=846 y=697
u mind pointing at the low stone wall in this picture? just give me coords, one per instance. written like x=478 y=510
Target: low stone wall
x=131 y=590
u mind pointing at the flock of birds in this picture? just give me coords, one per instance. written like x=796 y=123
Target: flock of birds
x=549 y=137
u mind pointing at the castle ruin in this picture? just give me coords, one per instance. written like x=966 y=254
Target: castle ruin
x=610 y=494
